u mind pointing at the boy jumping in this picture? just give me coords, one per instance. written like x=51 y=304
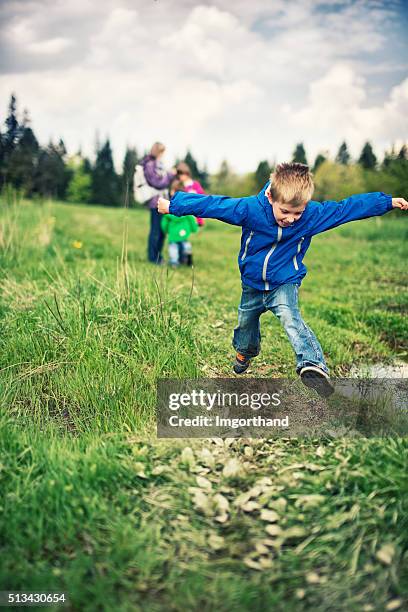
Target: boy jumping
x=277 y=228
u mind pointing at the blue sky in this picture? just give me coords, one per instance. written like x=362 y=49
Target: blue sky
x=239 y=80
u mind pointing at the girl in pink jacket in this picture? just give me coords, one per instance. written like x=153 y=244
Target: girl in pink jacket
x=190 y=185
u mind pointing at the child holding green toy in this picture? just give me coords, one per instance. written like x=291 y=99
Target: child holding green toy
x=178 y=230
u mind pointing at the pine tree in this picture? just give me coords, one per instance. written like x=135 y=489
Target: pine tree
x=87 y=166
x=262 y=174
x=97 y=143
x=299 y=154
x=343 y=156
x=403 y=154
x=320 y=158
x=389 y=157
x=191 y=162
x=196 y=173
x=128 y=171
x=44 y=180
x=52 y=175
x=105 y=182
x=9 y=138
x=61 y=149
x=22 y=163
x=12 y=133
x=367 y=158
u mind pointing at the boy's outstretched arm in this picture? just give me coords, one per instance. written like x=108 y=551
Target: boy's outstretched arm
x=224 y=208
x=331 y=214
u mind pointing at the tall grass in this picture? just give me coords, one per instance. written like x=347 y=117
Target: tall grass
x=89 y=355
x=85 y=347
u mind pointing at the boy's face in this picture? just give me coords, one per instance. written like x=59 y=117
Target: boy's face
x=285 y=214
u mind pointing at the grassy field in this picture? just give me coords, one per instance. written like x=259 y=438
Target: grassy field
x=93 y=504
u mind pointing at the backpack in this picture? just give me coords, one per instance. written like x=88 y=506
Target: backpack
x=143 y=192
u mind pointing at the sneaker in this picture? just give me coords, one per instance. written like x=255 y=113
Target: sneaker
x=315 y=378
x=241 y=363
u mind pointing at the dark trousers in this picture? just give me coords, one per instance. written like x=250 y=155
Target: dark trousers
x=156 y=237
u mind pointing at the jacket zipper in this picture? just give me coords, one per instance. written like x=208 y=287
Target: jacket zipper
x=271 y=250
x=248 y=240
x=299 y=247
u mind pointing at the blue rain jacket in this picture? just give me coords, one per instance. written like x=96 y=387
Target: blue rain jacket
x=271 y=255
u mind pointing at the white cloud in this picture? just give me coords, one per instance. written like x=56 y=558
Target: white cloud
x=120 y=41
x=242 y=80
x=50 y=46
x=338 y=106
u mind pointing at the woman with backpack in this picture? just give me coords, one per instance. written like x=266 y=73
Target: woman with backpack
x=157 y=180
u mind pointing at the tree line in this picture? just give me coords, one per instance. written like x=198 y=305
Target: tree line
x=37 y=171
x=334 y=178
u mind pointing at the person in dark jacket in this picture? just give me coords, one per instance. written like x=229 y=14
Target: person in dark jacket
x=160 y=179
x=277 y=228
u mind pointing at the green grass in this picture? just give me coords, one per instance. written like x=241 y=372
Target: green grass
x=93 y=504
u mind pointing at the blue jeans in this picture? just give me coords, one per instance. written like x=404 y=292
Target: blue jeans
x=156 y=237
x=178 y=252
x=283 y=302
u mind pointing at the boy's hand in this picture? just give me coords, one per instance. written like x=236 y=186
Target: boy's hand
x=163 y=206
x=400 y=203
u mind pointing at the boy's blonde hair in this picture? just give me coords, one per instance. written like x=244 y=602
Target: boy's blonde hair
x=291 y=183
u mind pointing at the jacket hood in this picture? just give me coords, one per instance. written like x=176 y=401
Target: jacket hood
x=261 y=195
